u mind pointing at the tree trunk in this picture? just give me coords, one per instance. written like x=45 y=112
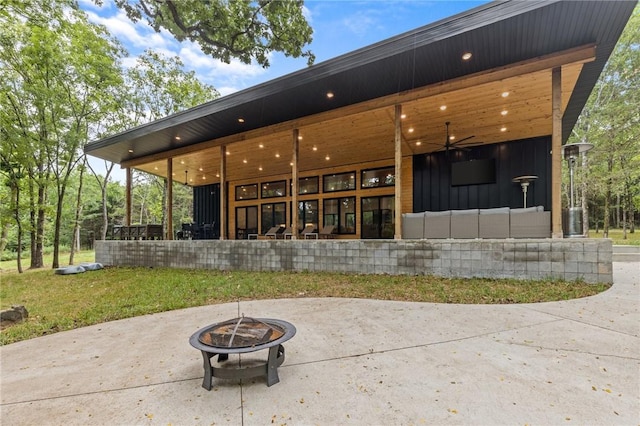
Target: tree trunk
x=5 y=236
x=15 y=200
x=607 y=201
x=32 y=217
x=76 y=225
x=164 y=208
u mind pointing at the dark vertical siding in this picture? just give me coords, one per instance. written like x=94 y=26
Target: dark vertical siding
x=432 y=188
x=206 y=205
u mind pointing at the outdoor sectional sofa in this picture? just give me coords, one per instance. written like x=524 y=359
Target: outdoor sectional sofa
x=502 y=222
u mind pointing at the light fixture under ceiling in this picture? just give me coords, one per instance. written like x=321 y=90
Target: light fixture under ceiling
x=466 y=56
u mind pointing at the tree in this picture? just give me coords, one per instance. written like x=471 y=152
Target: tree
x=58 y=73
x=611 y=121
x=224 y=29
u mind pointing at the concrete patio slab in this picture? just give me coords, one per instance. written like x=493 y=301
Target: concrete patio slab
x=353 y=361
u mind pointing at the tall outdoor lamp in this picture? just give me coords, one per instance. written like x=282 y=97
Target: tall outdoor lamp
x=572 y=217
x=524 y=182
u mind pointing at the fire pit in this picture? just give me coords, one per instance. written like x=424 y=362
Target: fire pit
x=238 y=336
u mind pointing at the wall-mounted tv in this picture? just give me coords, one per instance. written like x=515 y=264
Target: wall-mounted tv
x=474 y=172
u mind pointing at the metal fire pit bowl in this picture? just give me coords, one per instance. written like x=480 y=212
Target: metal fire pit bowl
x=238 y=336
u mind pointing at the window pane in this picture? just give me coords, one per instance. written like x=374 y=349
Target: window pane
x=308 y=185
x=267 y=217
x=348 y=215
x=331 y=212
x=378 y=177
x=308 y=214
x=274 y=189
x=247 y=192
x=339 y=182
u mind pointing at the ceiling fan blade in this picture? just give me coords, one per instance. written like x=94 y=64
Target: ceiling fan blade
x=462 y=140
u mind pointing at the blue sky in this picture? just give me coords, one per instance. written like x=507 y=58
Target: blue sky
x=339 y=27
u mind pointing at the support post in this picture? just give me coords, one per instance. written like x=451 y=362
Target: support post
x=223 y=192
x=556 y=153
x=294 y=181
x=127 y=200
x=169 y=230
x=398 y=173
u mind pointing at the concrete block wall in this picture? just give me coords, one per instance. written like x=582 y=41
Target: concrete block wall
x=568 y=259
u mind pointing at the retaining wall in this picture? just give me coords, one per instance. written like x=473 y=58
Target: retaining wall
x=568 y=259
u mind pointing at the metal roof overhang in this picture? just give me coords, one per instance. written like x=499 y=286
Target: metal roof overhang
x=501 y=35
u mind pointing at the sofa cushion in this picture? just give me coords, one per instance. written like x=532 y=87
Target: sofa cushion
x=498 y=210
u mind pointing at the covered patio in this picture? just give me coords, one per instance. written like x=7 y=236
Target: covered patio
x=357 y=141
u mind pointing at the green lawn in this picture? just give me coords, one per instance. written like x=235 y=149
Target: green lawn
x=617 y=237
x=62 y=302
x=79 y=257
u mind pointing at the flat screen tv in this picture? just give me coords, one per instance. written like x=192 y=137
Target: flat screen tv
x=474 y=172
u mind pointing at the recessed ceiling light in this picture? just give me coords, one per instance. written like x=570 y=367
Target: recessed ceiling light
x=261 y=145
x=505 y=112
x=451 y=138
x=503 y=129
x=217 y=174
x=240 y=120
x=466 y=56
x=181 y=161
x=299 y=138
x=329 y=95
x=327 y=158
x=315 y=148
x=410 y=130
x=505 y=94
x=277 y=155
x=200 y=169
x=291 y=164
x=130 y=151
x=173 y=174
x=260 y=168
x=155 y=168
x=191 y=180
x=204 y=177
x=418 y=143
x=443 y=107
x=244 y=161
x=228 y=153
x=177 y=138
x=403 y=116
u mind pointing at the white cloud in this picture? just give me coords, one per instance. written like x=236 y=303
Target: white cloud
x=227 y=90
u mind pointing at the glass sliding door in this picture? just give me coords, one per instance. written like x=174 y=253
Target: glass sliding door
x=378 y=217
x=246 y=221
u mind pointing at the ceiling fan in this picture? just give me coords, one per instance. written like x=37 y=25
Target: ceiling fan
x=459 y=144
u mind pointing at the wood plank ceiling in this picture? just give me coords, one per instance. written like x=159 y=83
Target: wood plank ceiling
x=357 y=135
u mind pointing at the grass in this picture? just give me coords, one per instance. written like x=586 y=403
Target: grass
x=617 y=237
x=79 y=257
x=63 y=302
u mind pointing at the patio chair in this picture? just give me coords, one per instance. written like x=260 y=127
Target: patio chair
x=327 y=232
x=287 y=233
x=309 y=231
x=272 y=232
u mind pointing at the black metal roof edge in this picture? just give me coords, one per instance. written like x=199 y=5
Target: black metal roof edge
x=500 y=10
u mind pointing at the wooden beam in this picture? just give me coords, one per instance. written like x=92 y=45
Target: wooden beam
x=223 y=192
x=398 y=172
x=581 y=54
x=294 y=180
x=169 y=201
x=127 y=201
x=556 y=153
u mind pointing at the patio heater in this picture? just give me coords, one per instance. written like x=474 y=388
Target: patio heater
x=524 y=182
x=572 y=217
